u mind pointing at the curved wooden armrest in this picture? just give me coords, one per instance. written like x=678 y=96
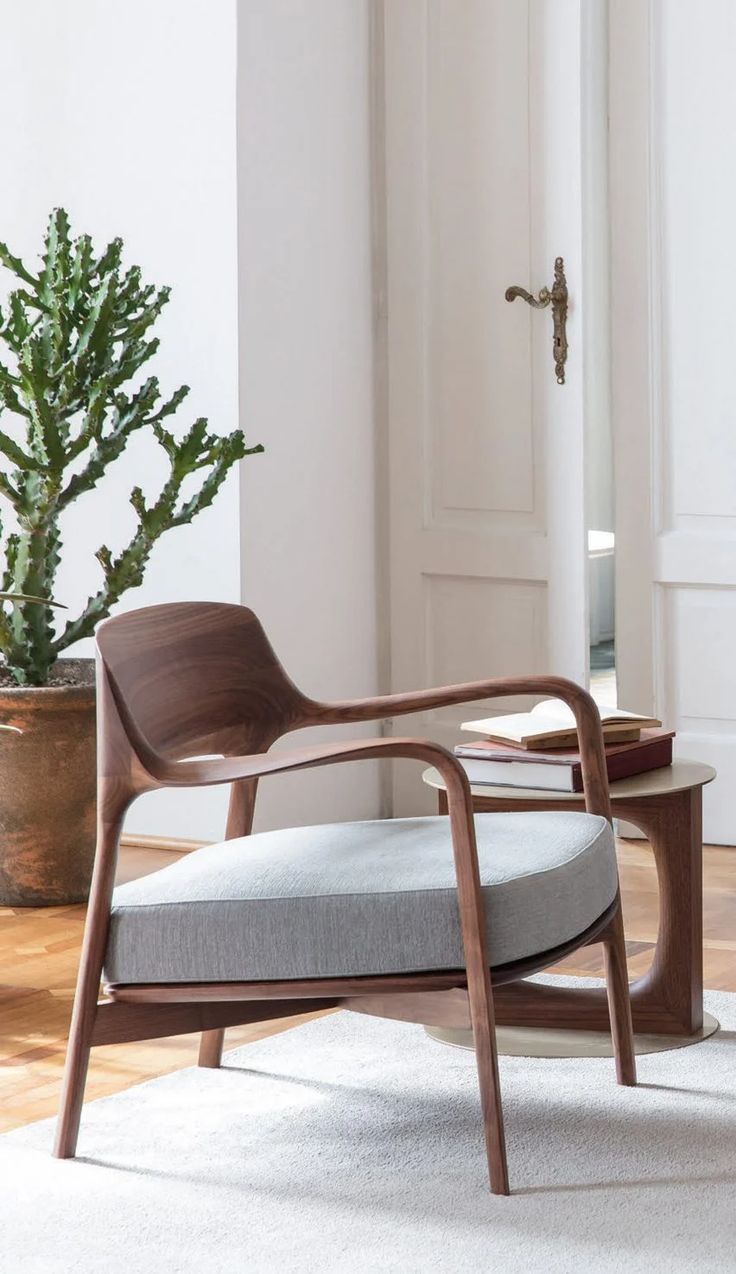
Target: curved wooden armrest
x=587 y=718
x=234 y=769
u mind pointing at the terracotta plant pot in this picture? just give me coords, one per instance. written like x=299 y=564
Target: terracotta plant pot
x=47 y=793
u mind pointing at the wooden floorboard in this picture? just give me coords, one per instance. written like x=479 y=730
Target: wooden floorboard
x=39 y=950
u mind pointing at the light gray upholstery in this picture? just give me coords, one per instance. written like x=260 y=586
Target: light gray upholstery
x=358 y=898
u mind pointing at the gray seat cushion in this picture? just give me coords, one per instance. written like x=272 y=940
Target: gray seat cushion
x=358 y=898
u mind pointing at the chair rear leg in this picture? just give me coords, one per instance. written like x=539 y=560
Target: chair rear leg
x=210 y=1048
x=619 y=1004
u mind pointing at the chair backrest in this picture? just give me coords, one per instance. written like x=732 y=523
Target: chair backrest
x=191 y=678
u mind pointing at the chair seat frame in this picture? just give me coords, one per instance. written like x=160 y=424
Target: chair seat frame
x=153 y=712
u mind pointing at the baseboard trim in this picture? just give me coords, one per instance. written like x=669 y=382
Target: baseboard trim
x=174 y=844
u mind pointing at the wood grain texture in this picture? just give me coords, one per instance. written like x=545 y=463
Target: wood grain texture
x=119 y=1022
x=182 y=680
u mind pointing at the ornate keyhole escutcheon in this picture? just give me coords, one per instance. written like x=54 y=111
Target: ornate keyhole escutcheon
x=556 y=297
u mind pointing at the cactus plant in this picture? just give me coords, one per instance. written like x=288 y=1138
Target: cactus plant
x=74 y=337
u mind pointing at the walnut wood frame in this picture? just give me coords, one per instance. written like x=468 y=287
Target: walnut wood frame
x=192 y=678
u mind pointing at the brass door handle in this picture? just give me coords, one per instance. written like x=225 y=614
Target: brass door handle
x=556 y=296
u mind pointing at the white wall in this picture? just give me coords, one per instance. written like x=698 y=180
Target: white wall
x=126 y=115
x=306 y=365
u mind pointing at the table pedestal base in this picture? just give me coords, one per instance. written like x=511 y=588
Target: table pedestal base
x=668 y=1000
x=534 y=1041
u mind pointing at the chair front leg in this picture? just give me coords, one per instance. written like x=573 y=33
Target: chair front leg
x=486 y=1060
x=619 y=1003
x=88 y=986
x=480 y=992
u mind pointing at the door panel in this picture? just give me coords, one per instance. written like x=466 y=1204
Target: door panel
x=477 y=195
x=480 y=642
x=674 y=393
x=487 y=527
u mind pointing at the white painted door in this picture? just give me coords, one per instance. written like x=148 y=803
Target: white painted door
x=673 y=187
x=484 y=188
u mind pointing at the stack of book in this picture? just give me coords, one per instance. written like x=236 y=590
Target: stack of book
x=539 y=749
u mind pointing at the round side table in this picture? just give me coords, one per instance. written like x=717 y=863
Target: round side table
x=667 y=1002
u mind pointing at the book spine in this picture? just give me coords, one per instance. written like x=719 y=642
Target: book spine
x=626 y=765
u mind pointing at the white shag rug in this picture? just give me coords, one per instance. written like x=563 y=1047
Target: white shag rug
x=354 y=1144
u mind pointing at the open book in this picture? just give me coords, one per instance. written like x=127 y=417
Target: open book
x=551 y=724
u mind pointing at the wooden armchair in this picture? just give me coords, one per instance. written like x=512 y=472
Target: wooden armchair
x=185 y=680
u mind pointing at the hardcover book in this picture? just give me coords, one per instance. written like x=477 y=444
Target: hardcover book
x=551 y=724
x=561 y=770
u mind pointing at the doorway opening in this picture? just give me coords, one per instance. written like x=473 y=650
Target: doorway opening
x=602 y=611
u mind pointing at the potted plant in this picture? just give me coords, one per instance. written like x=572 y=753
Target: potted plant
x=74 y=336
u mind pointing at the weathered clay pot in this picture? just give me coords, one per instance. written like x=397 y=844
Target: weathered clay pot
x=47 y=794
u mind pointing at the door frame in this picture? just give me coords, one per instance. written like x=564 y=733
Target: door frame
x=635 y=344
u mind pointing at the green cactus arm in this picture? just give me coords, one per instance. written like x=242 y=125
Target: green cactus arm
x=97 y=326
x=16 y=266
x=11 y=554
x=197 y=450
x=8 y=646
x=48 y=437
x=203 y=498
x=36 y=562
x=7 y=379
x=12 y=495
x=15 y=453
x=9 y=399
x=129 y=416
x=19 y=325
x=81 y=261
x=110 y=259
